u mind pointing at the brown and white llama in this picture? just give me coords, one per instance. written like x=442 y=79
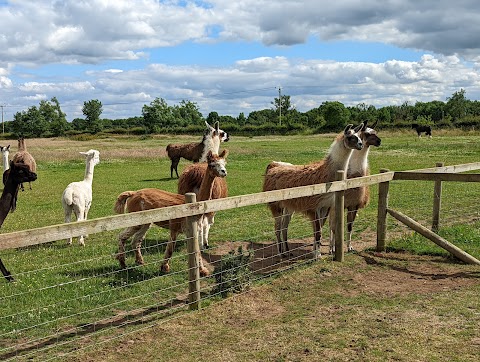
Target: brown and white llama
x=316 y=208
x=77 y=196
x=190 y=181
x=359 y=197
x=150 y=198
x=6 y=163
x=18 y=174
x=23 y=156
x=197 y=151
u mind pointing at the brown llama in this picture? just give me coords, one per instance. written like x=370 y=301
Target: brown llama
x=147 y=199
x=23 y=156
x=197 y=151
x=316 y=208
x=359 y=197
x=18 y=174
x=190 y=181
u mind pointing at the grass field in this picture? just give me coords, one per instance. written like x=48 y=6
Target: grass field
x=60 y=288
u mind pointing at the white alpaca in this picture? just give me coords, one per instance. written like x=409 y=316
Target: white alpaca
x=77 y=197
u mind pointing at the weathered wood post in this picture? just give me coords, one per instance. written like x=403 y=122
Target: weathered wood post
x=193 y=251
x=382 y=213
x=437 y=201
x=339 y=219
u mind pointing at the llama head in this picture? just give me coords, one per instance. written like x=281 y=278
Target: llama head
x=216 y=131
x=351 y=137
x=20 y=173
x=217 y=163
x=369 y=135
x=5 y=150
x=92 y=155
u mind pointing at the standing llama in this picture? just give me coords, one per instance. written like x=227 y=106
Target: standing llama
x=23 y=156
x=190 y=181
x=77 y=197
x=19 y=173
x=420 y=129
x=197 y=151
x=147 y=199
x=316 y=208
x=6 y=162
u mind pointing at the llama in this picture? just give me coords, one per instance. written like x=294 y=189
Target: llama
x=420 y=129
x=190 y=181
x=150 y=198
x=77 y=196
x=6 y=163
x=197 y=151
x=18 y=174
x=23 y=156
x=359 y=197
x=316 y=208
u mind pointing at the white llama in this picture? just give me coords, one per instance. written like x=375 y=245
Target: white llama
x=77 y=197
x=6 y=164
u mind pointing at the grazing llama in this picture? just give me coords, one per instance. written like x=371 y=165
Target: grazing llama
x=147 y=199
x=316 y=208
x=359 y=197
x=23 y=156
x=6 y=162
x=197 y=151
x=77 y=196
x=420 y=129
x=19 y=173
x=190 y=181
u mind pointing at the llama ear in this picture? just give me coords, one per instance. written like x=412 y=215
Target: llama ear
x=8 y=148
x=217 y=127
x=375 y=124
x=209 y=127
x=224 y=154
x=349 y=126
x=359 y=127
x=83 y=153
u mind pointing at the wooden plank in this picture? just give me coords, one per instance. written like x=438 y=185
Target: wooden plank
x=454 y=250
x=450 y=169
x=63 y=231
x=383 y=188
x=407 y=175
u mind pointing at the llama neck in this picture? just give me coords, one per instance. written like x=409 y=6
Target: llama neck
x=21 y=145
x=339 y=156
x=89 y=172
x=210 y=144
x=358 y=164
x=206 y=187
x=6 y=164
x=6 y=200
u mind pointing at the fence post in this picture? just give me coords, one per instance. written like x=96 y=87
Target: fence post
x=382 y=213
x=437 y=201
x=193 y=251
x=339 y=219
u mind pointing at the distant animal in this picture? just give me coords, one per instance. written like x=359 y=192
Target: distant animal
x=196 y=151
x=190 y=181
x=6 y=162
x=422 y=129
x=150 y=198
x=23 y=156
x=77 y=196
x=19 y=173
x=316 y=208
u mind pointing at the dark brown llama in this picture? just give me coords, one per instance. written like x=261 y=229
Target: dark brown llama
x=18 y=174
x=147 y=199
x=197 y=151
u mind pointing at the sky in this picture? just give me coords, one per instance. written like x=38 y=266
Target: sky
x=235 y=56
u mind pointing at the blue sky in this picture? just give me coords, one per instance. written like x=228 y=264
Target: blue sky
x=231 y=57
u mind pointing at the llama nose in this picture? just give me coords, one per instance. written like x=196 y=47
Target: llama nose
x=359 y=145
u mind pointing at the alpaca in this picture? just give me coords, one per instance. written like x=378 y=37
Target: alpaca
x=147 y=199
x=23 y=156
x=6 y=163
x=190 y=181
x=359 y=197
x=77 y=196
x=316 y=208
x=18 y=174
x=197 y=151
x=420 y=129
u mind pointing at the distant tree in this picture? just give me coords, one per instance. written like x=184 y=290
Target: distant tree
x=282 y=105
x=92 y=111
x=457 y=105
x=30 y=123
x=241 y=119
x=336 y=115
x=212 y=118
x=54 y=117
x=188 y=113
x=157 y=115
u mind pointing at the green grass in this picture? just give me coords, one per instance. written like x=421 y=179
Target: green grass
x=59 y=287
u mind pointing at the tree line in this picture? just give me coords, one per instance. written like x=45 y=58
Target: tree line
x=48 y=119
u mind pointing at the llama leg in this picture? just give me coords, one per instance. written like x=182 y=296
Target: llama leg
x=137 y=239
x=331 y=224
x=286 y=218
x=85 y=215
x=80 y=214
x=317 y=235
x=351 y=215
x=169 y=251
x=209 y=220
x=68 y=218
x=122 y=237
x=174 y=166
